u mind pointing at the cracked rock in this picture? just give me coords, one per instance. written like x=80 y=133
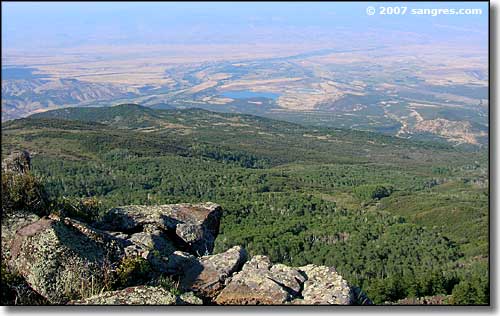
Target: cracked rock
x=324 y=286
x=261 y=283
x=207 y=275
x=192 y=227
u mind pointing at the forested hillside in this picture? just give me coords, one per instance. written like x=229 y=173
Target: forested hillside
x=397 y=218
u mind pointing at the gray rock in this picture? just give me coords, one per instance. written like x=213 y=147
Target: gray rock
x=206 y=276
x=262 y=283
x=189 y=298
x=153 y=246
x=153 y=241
x=193 y=227
x=324 y=286
x=17 y=162
x=180 y=260
x=118 y=235
x=259 y=284
x=292 y=278
x=11 y=222
x=138 y=295
x=64 y=259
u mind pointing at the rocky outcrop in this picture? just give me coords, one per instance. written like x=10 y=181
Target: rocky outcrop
x=193 y=227
x=206 y=276
x=324 y=286
x=152 y=245
x=62 y=258
x=17 y=162
x=140 y=295
x=67 y=260
x=152 y=248
x=262 y=283
x=259 y=284
x=10 y=224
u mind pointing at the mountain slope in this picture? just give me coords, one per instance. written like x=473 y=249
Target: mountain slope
x=259 y=135
x=325 y=196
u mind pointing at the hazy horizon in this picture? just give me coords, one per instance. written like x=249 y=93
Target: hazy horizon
x=40 y=26
x=333 y=57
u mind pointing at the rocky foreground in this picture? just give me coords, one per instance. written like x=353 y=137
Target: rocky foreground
x=152 y=255
x=70 y=262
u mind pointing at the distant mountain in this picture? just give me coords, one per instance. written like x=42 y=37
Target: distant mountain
x=257 y=135
x=124 y=115
x=21 y=97
x=394 y=99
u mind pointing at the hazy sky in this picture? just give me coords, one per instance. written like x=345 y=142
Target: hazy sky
x=31 y=25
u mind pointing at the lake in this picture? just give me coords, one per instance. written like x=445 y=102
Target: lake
x=16 y=73
x=247 y=94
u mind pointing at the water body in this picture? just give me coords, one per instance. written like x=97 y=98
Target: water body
x=247 y=94
x=17 y=73
x=321 y=52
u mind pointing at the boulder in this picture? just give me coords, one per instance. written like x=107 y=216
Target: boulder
x=63 y=259
x=193 y=227
x=138 y=295
x=18 y=162
x=206 y=276
x=180 y=260
x=324 y=286
x=11 y=222
x=151 y=245
x=189 y=298
x=154 y=240
x=261 y=283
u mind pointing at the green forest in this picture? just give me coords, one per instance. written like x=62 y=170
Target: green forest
x=398 y=218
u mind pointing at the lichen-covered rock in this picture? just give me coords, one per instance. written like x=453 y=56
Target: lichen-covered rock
x=151 y=245
x=64 y=259
x=118 y=235
x=180 y=260
x=291 y=278
x=324 y=286
x=193 y=226
x=17 y=162
x=155 y=240
x=138 y=295
x=10 y=224
x=259 y=284
x=189 y=298
x=208 y=274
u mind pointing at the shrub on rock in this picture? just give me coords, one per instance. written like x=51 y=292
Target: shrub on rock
x=132 y=271
x=23 y=193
